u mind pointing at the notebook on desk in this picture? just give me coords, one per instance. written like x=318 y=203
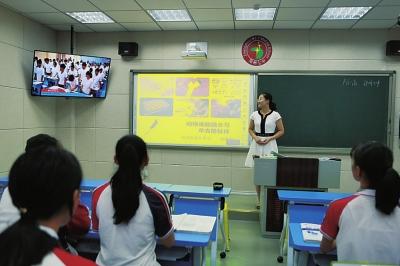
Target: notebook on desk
x=311 y=232
x=193 y=223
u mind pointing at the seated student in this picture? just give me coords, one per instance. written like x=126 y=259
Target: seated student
x=366 y=226
x=9 y=214
x=128 y=214
x=44 y=186
x=71 y=84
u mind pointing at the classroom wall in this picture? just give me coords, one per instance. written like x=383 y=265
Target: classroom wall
x=21 y=115
x=92 y=127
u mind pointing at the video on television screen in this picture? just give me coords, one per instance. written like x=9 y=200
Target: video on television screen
x=66 y=75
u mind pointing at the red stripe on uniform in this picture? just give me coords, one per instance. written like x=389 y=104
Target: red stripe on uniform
x=95 y=198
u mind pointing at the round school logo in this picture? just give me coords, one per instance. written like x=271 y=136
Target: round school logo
x=257 y=50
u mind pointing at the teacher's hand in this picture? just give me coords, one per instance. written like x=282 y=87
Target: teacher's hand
x=259 y=140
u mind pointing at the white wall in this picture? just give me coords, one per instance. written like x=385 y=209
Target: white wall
x=92 y=127
x=21 y=115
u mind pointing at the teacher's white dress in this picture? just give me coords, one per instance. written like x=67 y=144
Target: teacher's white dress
x=270 y=127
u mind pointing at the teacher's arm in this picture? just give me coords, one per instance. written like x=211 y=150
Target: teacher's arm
x=253 y=134
x=280 y=130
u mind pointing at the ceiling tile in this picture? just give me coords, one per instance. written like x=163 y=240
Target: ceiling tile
x=251 y=3
x=211 y=14
x=311 y=13
x=374 y=24
x=334 y=24
x=161 y=4
x=241 y=25
x=28 y=6
x=386 y=12
x=67 y=27
x=293 y=24
x=340 y=3
x=208 y=3
x=51 y=18
x=151 y=26
x=72 y=5
x=116 y=5
x=106 y=27
x=187 y=25
x=215 y=25
x=389 y=3
x=129 y=16
x=304 y=3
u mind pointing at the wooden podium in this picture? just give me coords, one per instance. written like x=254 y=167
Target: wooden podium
x=273 y=173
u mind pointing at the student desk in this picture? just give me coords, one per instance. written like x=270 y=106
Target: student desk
x=300 y=213
x=198 y=196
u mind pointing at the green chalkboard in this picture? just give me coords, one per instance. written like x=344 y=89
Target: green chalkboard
x=327 y=110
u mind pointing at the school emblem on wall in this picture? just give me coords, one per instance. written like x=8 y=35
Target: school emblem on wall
x=257 y=50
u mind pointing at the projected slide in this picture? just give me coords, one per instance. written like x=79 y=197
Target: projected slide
x=192 y=109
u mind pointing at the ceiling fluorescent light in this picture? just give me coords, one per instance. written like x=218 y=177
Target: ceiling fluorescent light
x=333 y=13
x=169 y=15
x=254 y=13
x=90 y=17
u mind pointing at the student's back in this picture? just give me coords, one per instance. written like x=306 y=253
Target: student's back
x=128 y=214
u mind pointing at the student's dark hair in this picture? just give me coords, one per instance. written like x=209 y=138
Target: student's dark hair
x=71 y=78
x=41 y=183
x=268 y=96
x=376 y=160
x=89 y=73
x=41 y=141
x=62 y=66
x=126 y=183
x=39 y=61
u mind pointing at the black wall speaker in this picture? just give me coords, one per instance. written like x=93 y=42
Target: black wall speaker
x=128 y=48
x=393 y=48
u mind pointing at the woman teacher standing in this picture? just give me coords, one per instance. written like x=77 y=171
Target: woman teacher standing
x=265 y=127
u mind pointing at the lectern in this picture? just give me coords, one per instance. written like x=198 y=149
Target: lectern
x=271 y=173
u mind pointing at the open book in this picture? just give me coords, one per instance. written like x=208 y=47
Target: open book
x=311 y=232
x=193 y=223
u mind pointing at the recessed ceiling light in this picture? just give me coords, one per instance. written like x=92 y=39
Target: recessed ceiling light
x=254 y=14
x=357 y=12
x=169 y=15
x=90 y=17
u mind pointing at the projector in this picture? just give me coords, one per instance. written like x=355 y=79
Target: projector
x=194 y=54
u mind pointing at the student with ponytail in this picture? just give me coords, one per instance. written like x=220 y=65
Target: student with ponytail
x=44 y=186
x=366 y=226
x=128 y=214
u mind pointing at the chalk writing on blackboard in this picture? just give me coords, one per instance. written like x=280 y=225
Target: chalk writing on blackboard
x=371 y=83
x=349 y=82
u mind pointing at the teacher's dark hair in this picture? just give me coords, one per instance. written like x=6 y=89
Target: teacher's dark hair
x=376 y=160
x=41 y=183
x=126 y=183
x=268 y=96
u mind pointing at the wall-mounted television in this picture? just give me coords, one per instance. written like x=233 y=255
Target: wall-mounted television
x=68 y=75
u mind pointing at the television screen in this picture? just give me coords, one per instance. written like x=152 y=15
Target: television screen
x=67 y=75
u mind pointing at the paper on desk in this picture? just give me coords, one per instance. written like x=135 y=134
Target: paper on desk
x=193 y=223
x=309 y=226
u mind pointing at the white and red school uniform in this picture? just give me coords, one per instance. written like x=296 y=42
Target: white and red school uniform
x=59 y=257
x=362 y=232
x=9 y=214
x=133 y=243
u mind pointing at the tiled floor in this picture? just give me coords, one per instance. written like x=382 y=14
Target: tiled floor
x=248 y=247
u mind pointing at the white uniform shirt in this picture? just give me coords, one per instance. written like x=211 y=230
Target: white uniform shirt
x=267 y=125
x=9 y=214
x=39 y=71
x=47 y=67
x=86 y=85
x=96 y=82
x=62 y=77
x=131 y=244
x=54 y=71
x=82 y=73
x=362 y=232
